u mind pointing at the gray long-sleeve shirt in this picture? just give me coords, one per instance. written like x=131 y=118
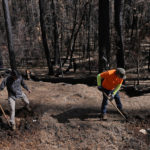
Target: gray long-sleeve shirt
x=13 y=86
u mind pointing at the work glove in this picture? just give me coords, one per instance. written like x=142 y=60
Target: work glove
x=100 y=88
x=111 y=96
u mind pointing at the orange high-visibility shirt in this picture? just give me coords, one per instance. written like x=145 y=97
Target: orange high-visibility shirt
x=110 y=79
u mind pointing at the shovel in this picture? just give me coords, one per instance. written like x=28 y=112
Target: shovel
x=115 y=107
x=4 y=114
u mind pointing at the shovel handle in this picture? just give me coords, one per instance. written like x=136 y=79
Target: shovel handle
x=115 y=106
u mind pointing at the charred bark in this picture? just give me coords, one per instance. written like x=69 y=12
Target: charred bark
x=9 y=35
x=75 y=37
x=1 y=60
x=104 y=35
x=44 y=38
x=55 y=34
x=119 y=30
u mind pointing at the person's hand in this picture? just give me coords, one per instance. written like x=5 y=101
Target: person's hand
x=100 y=88
x=111 y=96
x=29 y=91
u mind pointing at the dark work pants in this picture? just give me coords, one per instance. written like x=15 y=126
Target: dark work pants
x=105 y=101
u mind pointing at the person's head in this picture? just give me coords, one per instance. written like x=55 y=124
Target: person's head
x=120 y=72
x=15 y=74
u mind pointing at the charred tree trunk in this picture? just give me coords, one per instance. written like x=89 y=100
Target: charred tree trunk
x=75 y=37
x=9 y=35
x=1 y=60
x=44 y=38
x=104 y=35
x=119 y=30
x=149 y=60
x=69 y=47
x=88 y=42
x=55 y=33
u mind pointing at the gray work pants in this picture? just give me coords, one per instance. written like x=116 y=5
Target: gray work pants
x=12 y=104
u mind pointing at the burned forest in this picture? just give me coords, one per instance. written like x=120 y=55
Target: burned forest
x=74 y=75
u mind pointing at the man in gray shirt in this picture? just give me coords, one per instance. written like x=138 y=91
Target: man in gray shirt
x=13 y=83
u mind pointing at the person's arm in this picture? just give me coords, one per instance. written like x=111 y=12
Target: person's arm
x=117 y=89
x=24 y=85
x=99 y=80
x=3 y=84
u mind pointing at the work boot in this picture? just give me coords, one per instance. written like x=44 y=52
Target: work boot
x=103 y=116
x=13 y=126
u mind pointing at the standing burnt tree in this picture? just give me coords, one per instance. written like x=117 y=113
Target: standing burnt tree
x=44 y=38
x=88 y=34
x=55 y=34
x=119 y=31
x=1 y=60
x=9 y=34
x=104 y=36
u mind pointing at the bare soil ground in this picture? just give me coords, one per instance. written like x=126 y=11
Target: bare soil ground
x=66 y=117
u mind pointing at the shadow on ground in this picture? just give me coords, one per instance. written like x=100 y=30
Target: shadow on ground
x=80 y=113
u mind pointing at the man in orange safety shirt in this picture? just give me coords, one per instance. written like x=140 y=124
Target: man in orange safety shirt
x=110 y=82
